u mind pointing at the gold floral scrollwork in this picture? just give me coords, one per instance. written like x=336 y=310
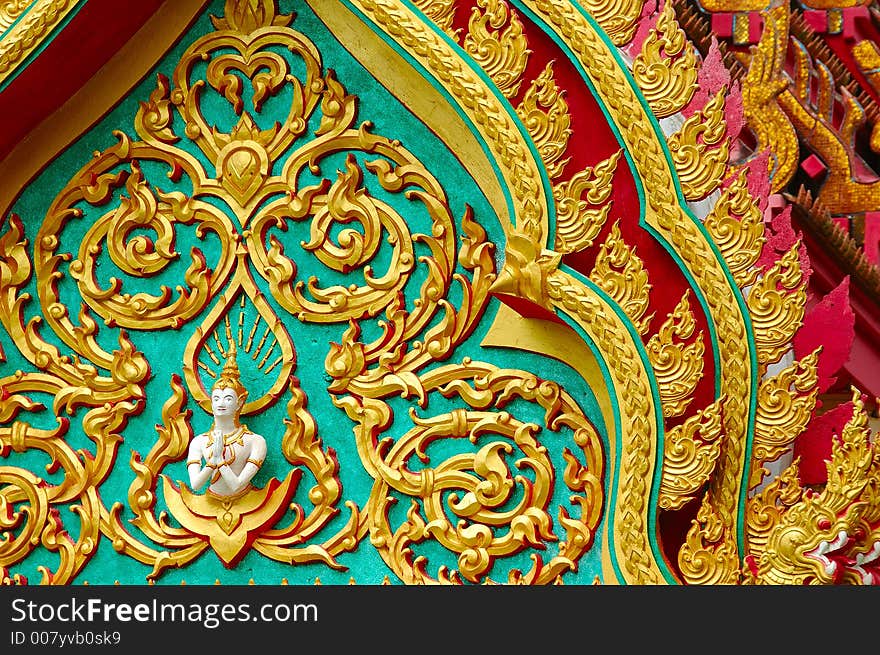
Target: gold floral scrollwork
x=30 y=505
x=708 y=555
x=736 y=224
x=494 y=514
x=677 y=365
x=501 y=51
x=442 y=12
x=776 y=303
x=79 y=382
x=342 y=202
x=545 y=115
x=302 y=448
x=785 y=405
x=618 y=18
x=700 y=149
x=666 y=68
x=582 y=205
x=690 y=452
x=10 y=10
x=621 y=273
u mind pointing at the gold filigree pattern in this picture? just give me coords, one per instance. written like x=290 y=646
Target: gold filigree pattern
x=677 y=364
x=582 y=205
x=442 y=12
x=785 y=405
x=777 y=302
x=545 y=114
x=618 y=18
x=78 y=383
x=496 y=41
x=690 y=453
x=668 y=80
x=10 y=11
x=255 y=171
x=703 y=556
x=477 y=487
x=736 y=224
x=700 y=149
x=621 y=273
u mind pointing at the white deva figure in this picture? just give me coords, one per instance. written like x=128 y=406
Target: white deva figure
x=231 y=453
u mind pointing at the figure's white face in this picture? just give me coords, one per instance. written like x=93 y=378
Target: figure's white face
x=224 y=402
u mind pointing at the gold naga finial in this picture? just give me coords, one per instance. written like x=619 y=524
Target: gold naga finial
x=230 y=376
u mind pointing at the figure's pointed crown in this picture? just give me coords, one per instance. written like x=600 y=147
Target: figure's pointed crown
x=230 y=376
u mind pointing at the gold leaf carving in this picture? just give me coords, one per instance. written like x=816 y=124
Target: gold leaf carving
x=776 y=304
x=249 y=15
x=442 y=12
x=785 y=405
x=666 y=68
x=708 y=556
x=10 y=10
x=526 y=270
x=700 y=149
x=545 y=115
x=677 y=365
x=134 y=255
x=690 y=453
x=492 y=119
x=582 y=205
x=501 y=51
x=623 y=276
x=72 y=381
x=736 y=224
x=490 y=514
x=618 y=18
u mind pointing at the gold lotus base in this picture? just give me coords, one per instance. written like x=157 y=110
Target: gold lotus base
x=230 y=524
